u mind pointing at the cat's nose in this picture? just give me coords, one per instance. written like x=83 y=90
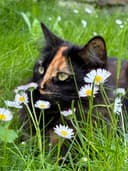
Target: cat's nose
x=42 y=86
x=42 y=89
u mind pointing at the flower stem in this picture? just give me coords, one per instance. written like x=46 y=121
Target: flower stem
x=33 y=108
x=58 y=152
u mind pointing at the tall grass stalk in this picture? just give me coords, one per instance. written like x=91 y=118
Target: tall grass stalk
x=33 y=116
x=38 y=131
x=59 y=145
x=123 y=129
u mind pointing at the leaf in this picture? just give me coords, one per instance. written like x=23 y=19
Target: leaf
x=26 y=19
x=7 y=135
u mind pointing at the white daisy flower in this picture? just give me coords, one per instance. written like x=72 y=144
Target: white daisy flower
x=32 y=86
x=21 y=88
x=118 y=21
x=120 y=92
x=98 y=76
x=117 y=105
x=12 y=104
x=64 y=131
x=42 y=104
x=68 y=112
x=88 y=90
x=59 y=18
x=21 y=98
x=75 y=11
x=94 y=33
x=49 y=18
x=84 y=159
x=121 y=26
x=84 y=23
x=5 y=115
x=88 y=10
x=25 y=87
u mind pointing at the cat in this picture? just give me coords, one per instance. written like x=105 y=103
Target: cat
x=60 y=71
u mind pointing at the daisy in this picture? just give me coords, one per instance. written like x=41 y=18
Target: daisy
x=42 y=104
x=23 y=88
x=84 y=23
x=21 y=98
x=75 y=11
x=32 y=86
x=84 y=159
x=118 y=21
x=49 y=18
x=117 y=105
x=12 y=104
x=64 y=131
x=88 y=90
x=88 y=10
x=98 y=76
x=59 y=18
x=121 y=26
x=94 y=33
x=5 y=115
x=68 y=112
x=120 y=92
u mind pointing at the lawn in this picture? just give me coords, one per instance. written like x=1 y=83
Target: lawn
x=21 y=40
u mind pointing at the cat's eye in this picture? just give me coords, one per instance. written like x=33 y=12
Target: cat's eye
x=62 y=76
x=41 y=69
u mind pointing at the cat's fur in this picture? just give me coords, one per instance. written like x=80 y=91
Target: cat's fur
x=60 y=56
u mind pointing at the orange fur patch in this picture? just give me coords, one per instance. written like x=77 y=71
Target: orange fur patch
x=58 y=64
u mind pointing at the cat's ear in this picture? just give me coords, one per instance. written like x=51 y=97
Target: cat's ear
x=94 y=51
x=51 y=38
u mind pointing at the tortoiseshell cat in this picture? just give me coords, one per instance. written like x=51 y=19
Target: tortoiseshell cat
x=60 y=72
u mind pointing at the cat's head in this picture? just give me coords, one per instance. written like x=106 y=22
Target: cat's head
x=62 y=67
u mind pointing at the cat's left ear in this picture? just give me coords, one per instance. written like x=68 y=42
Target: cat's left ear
x=94 y=52
x=51 y=38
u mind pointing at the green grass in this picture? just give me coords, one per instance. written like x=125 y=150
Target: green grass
x=20 y=41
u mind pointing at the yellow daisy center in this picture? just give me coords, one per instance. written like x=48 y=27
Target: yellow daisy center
x=2 y=116
x=88 y=92
x=98 y=79
x=42 y=106
x=21 y=99
x=64 y=133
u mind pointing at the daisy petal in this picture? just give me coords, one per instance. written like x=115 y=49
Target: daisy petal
x=12 y=104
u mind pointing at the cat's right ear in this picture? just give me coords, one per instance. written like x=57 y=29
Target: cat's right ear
x=51 y=38
x=94 y=52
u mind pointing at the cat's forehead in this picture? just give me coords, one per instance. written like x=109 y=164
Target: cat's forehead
x=58 y=54
x=59 y=58
x=59 y=61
